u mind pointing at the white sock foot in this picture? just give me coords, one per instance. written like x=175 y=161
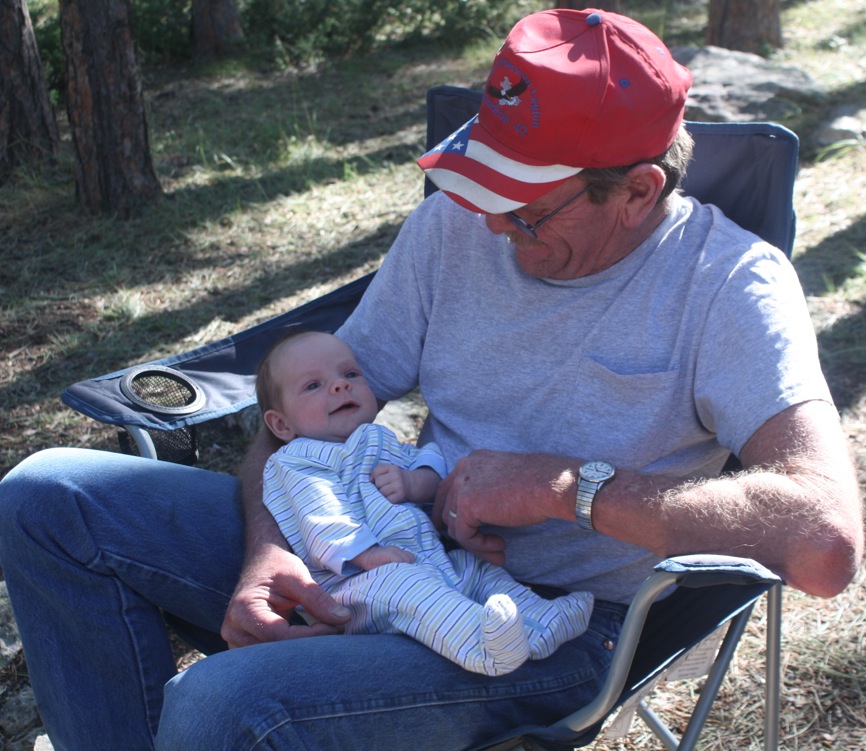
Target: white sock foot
x=503 y=639
x=566 y=618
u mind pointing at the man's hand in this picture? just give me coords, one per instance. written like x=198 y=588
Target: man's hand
x=270 y=589
x=274 y=581
x=507 y=490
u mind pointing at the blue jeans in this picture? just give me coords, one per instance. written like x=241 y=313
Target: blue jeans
x=95 y=546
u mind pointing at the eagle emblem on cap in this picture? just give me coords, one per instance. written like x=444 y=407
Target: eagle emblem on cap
x=508 y=94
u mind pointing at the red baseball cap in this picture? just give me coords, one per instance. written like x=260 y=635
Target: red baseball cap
x=568 y=90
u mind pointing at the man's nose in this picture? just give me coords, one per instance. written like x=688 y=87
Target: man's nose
x=498 y=223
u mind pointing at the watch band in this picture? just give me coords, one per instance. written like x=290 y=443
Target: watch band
x=586 y=491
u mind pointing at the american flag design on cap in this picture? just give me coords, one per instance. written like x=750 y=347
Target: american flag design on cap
x=468 y=159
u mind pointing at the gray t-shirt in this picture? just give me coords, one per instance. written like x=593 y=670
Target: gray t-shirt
x=664 y=363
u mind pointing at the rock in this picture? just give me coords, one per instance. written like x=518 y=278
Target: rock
x=845 y=124
x=19 y=713
x=35 y=740
x=731 y=86
x=247 y=420
x=10 y=644
x=404 y=416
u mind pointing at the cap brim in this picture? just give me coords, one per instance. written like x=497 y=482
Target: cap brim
x=484 y=176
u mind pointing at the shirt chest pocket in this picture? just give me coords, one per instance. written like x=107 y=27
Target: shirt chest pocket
x=630 y=419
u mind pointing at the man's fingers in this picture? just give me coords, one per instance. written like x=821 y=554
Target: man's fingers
x=322 y=606
x=257 y=621
x=266 y=598
x=268 y=630
x=487 y=547
x=467 y=535
x=244 y=626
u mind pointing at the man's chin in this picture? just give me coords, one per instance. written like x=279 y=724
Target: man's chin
x=533 y=264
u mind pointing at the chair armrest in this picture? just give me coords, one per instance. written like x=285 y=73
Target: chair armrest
x=690 y=571
x=709 y=570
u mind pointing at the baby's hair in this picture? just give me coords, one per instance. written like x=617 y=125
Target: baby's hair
x=267 y=390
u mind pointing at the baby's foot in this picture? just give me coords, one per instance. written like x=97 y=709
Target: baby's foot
x=503 y=637
x=565 y=618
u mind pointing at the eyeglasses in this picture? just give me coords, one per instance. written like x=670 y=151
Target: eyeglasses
x=530 y=229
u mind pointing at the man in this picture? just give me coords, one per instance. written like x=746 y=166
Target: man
x=591 y=347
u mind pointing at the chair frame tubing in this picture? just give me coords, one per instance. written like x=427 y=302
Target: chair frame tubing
x=632 y=627
x=709 y=692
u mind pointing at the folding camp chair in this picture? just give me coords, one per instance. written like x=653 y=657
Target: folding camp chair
x=748 y=170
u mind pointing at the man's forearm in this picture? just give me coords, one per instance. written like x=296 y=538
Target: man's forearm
x=752 y=513
x=796 y=510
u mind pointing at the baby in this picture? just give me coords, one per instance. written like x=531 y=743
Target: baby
x=339 y=488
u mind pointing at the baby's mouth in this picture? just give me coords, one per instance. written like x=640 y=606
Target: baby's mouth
x=347 y=407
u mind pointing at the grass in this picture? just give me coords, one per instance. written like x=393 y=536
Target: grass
x=280 y=185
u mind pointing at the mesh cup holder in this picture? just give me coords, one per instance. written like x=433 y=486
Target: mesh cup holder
x=163 y=390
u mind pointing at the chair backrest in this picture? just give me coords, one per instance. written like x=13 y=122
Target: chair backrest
x=746 y=169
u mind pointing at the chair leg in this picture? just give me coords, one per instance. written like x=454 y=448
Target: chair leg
x=774 y=668
x=714 y=680
x=143 y=441
x=710 y=690
x=658 y=727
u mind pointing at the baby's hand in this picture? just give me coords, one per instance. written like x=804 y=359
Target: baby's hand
x=391 y=482
x=376 y=556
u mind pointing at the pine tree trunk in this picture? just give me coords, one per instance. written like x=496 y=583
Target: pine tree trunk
x=216 y=29
x=113 y=168
x=745 y=25
x=28 y=130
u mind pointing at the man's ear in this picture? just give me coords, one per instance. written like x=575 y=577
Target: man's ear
x=277 y=424
x=644 y=184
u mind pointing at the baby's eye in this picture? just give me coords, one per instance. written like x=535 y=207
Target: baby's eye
x=311 y=386
x=353 y=374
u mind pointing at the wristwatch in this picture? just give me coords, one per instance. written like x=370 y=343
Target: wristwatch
x=590 y=477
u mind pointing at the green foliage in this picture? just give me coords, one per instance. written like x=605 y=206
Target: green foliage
x=46 y=28
x=161 y=28
x=302 y=30
x=295 y=31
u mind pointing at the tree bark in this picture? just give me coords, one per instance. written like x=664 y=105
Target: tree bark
x=28 y=130
x=216 y=29
x=113 y=168
x=745 y=25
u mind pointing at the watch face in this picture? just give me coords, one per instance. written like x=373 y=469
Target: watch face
x=596 y=471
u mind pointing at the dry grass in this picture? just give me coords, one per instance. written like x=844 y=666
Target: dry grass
x=280 y=186
x=823 y=675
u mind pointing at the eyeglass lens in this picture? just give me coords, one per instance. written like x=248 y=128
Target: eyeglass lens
x=530 y=229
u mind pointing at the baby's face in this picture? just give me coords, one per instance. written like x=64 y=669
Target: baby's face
x=324 y=394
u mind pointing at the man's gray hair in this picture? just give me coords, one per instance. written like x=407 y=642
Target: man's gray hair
x=603 y=180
